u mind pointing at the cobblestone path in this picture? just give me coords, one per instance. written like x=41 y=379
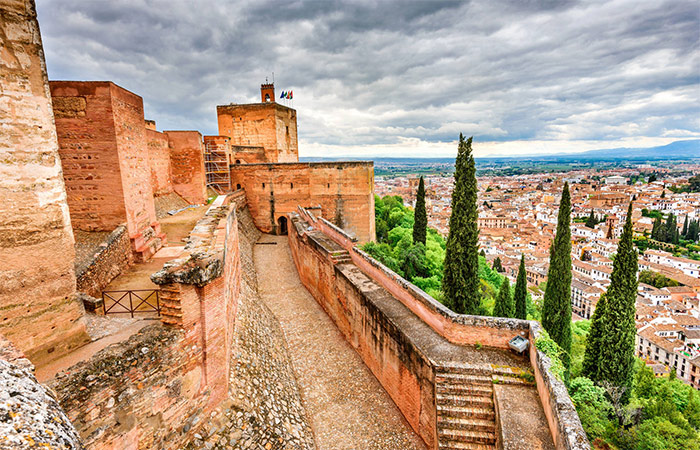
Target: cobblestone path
x=347 y=407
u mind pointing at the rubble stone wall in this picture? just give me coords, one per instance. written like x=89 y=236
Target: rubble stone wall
x=31 y=417
x=187 y=165
x=344 y=191
x=111 y=259
x=38 y=309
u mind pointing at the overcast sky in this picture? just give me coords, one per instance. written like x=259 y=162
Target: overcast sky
x=401 y=78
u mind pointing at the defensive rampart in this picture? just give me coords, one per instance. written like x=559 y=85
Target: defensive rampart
x=343 y=190
x=159 y=388
x=369 y=303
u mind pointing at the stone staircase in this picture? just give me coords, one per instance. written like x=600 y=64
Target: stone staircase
x=340 y=257
x=466 y=416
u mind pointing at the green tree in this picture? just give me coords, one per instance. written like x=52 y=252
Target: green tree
x=520 y=294
x=652 y=178
x=420 y=218
x=460 y=282
x=413 y=261
x=694 y=183
x=504 y=301
x=591 y=356
x=497 y=265
x=684 y=233
x=591 y=221
x=556 y=308
x=671 y=230
x=615 y=360
x=658 y=232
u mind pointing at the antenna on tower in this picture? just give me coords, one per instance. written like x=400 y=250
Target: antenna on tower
x=273 y=77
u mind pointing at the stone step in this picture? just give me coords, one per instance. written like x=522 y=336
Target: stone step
x=478 y=390
x=466 y=412
x=479 y=437
x=501 y=379
x=462 y=400
x=456 y=445
x=469 y=370
x=461 y=378
x=461 y=423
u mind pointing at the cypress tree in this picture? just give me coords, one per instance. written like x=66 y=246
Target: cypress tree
x=420 y=218
x=684 y=233
x=656 y=229
x=504 y=301
x=497 y=265
x=591 y=221
x=556 y=308
x=520 y=294
x=671 y=230
x=616 y=358
x=460 y=283
x=591 y=357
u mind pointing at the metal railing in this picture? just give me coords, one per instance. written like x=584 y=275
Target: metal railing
x=139 y=300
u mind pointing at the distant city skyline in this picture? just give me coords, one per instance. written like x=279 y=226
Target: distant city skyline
x=401 y=78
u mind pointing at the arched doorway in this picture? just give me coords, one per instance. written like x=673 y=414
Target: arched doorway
x=282 y=225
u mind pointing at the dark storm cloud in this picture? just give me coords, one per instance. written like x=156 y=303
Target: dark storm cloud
x=376 y=72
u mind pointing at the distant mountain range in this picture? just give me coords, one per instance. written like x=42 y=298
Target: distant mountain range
x=678 y=150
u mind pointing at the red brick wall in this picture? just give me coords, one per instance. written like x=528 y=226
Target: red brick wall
x=187 y=165
x=144 y=229
x=159 y=162
x=101 y=134
x=38 y=309
x=344 y=190
x=268 y=125
x=88 y=148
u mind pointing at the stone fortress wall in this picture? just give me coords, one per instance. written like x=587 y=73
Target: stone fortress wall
x=38 y=308
x=343 y=190
x=102 y=144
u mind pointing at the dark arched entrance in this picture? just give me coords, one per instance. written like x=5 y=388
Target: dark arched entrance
x=282 y=225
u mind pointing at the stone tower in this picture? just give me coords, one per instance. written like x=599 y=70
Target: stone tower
x=264 y=132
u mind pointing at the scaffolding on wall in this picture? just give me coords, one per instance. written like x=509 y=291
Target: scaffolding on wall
x=216 y=167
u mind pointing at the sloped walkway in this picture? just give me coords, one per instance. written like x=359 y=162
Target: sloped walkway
x=347 y=406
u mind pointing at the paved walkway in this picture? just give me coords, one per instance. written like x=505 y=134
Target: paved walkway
x=347 y=407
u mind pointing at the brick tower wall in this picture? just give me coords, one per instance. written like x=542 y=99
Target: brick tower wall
x=344 y=190
x=38 y=309
x=87 y=146
x=159 y=162
x=187 y=165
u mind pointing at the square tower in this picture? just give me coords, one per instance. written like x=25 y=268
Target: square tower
x=260 y=132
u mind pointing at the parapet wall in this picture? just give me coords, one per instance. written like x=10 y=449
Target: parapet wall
x=401 y=367
x=343 y=190
x=38 y=309
x=314 y=242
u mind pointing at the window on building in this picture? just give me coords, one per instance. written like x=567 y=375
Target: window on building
x=291 y=185
x=263 y=185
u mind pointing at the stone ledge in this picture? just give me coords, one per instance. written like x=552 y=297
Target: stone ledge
x=203 y=255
